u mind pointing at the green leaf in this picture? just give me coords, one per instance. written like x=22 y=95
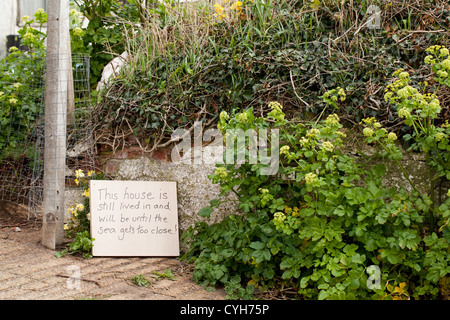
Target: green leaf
x=205 y=212
x=258 y=245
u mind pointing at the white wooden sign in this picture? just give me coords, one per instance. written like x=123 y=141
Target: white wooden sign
x=134 y=218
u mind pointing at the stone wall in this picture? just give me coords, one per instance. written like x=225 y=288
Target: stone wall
x=195 y=190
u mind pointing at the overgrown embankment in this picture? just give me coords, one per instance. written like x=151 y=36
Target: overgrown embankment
x=191 y=62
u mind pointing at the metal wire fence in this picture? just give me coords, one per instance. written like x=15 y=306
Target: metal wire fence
x=22 y=137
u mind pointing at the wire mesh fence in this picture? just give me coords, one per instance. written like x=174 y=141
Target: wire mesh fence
x=22 y=132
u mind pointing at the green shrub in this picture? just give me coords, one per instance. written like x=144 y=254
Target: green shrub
x=21 y=85
x=332 y=232
x=190 y=62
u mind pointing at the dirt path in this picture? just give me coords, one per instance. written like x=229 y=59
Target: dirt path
x=32 y=272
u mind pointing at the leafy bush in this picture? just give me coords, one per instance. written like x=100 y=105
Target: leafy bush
x=21 y=85
x=78 y=226
x=102 y=39
x=331 y=231
x=191 y=62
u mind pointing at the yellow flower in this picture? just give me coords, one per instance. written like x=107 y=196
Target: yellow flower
x=403 y=75
x=219 y=8
x=76 y=181
x=29 y=36
x=91 y=172
x=17 y=85
x=439 y=136
x=66 y=226
x=392 y=136
x=429 y=60
x=86 y=193
x=280 y=216
x=275 y=106
x=332 y=120
x=13 y=100
x=224 y=116
x=311 y=178
x=443 y=52
x=237 y=6
x=313 y=133
x=219 y=11
x=368 y=132
x=284 y=150
x=243 y=118
x=221 y=172
x=404 y=113
x=79 y=207
x=77 y=31
x=327 y=146
x=79 y=173
x=446 y=64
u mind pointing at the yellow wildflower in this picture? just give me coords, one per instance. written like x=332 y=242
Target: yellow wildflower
x=221 y=172
x=237 y=6
x=79 y=173
x=280 y=216
x=311 y=178
x=284 y=150
x=77 y=31
x=392 y=136
x=332 y=120
x=439 y=136
x=368 y=132
x=327 y=146
x=219 y=11
x=79 y=207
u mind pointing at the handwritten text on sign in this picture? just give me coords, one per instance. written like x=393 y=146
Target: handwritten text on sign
x=134 y=218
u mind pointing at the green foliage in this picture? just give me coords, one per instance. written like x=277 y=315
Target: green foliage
x=420 y=107
x=320 y=230
x=167 y=274
x=140 y=280
x=190 y=62
x=82 y=244
x=21 y=85
x=80 y=213
x=78 y=226
x=103 y=37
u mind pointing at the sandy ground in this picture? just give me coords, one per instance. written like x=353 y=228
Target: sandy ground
x=29 y=271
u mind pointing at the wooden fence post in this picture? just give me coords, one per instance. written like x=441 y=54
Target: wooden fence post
x=56 y=97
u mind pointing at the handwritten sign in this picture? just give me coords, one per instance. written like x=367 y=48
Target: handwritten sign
x=134 y=218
